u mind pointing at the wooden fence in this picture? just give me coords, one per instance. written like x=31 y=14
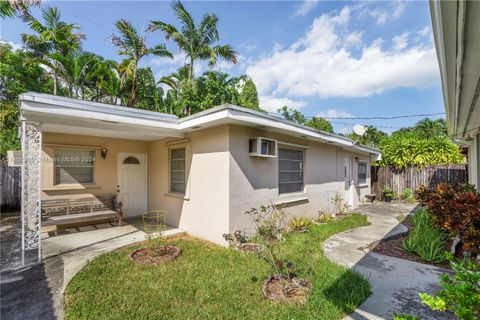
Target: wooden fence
x=11 y=186
x=413 y=177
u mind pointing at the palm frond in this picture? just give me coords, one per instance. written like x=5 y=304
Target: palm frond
x=160 y=50
x=208 y=29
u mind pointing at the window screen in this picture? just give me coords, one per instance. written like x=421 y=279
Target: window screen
x=74 y=166
x=362 y=172
x=177 y=170
x=290 y=170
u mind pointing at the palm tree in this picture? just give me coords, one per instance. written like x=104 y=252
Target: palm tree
x=103 y=81
x=196 y=41
x=73 y=68
x=9 y=8
x=53 y=36
x=432 y=128
x=133 y=46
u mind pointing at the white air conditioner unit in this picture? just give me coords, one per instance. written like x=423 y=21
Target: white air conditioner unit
x=262 y=147
x=14 y=158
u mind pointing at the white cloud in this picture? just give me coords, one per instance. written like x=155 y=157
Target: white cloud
x=15 y=46
x=334 y=113
x=321 y=64
x=400 y=42
x=305 y=7
x=272 y=103
x=178 y=59
x=354 y=38
x=425 y=31
x=382 y=15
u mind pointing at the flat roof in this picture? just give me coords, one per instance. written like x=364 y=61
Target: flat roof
x=47 y=108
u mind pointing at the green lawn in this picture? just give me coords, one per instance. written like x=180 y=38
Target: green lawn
x=210 y=282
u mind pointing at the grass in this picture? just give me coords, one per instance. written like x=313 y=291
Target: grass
x=211 y=282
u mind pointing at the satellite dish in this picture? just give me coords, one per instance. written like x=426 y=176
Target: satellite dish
x=359 y=130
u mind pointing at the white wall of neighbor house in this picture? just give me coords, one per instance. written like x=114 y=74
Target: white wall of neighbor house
x=474 y=161
x=203 y=209
x=254 y=181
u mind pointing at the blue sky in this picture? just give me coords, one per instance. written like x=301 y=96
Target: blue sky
x=327 y=58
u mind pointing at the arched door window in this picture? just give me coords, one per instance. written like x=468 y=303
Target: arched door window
x=131 y=160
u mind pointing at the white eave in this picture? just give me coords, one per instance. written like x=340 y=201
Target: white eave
x=60 y=114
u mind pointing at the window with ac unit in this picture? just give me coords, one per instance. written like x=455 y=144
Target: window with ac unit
x=262 y=147
x=74 y=166
x=290 y=170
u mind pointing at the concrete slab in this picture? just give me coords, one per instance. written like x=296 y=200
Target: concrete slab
x=395 y=282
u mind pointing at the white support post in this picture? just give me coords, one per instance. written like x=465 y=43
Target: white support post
x=31 y=189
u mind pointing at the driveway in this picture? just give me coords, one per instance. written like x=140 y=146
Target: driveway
x=395 y=282
x=36 y=291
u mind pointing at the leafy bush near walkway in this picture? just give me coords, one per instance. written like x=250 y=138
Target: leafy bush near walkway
x=211 y=282
x=425 y=240
x=455 y=209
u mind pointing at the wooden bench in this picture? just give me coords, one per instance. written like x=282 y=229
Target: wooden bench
x=371 y=197
x=62 y=212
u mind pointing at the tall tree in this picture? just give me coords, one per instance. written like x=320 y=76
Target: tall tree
x=373 y=137
x=18 y=74
x=292 y=114
x=431 y=128
x=319 y=123
x=197 y=41
x=133 y=46
x=9 y=8
x=53 y=36
x=248 y=95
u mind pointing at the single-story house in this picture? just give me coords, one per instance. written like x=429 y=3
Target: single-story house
x=205 y=169
x=456 y=26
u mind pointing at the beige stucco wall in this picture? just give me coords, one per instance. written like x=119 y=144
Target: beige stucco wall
x=254 y=181
x=105 y=171
x=222 y=179
x=203 y=211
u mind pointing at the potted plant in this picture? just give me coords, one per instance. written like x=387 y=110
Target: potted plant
x=387 y=194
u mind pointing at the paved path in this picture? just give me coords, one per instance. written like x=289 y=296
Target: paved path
x=36 y=291
x=395 y=282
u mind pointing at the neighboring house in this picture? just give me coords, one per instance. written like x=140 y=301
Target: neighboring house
x=206 y=170
x=456 y=26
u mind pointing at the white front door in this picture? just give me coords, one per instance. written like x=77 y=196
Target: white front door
x=132 y=183
x=348 y=181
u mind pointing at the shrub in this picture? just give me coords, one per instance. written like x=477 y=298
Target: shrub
x=299 y=224
x=156 y=245
x=407 y=195
x=455 y=208
x=323 y=217
x=424 y=240
x=339 y=205
x=421 y=194
x=271 y=226
x=461 y=291
x=405 y=317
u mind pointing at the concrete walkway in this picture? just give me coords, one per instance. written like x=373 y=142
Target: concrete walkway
x=395 y=282
x=36 y=291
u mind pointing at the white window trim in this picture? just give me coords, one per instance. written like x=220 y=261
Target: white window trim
x=363 y=184
x=72 y=148
x=170 y=147
x=297 y=148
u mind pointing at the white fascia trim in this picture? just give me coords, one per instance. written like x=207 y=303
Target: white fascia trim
x=249 y=117
x=103 y=108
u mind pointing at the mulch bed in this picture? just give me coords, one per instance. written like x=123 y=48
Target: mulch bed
x=393 y=247
x=283 y=290
x=141 y=255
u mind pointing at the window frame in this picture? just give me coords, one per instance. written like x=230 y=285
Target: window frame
x=170 y=191
x=362 y=162
x=56 y=166
x=302 y=151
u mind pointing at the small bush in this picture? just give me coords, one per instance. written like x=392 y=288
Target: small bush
x=299 y=224
x=424 y=240
x=461 y=291
x=421 y=194
x=455 y=209
x=407 y=195
x=156 y=245
x=323 y=217
x=405 y=317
